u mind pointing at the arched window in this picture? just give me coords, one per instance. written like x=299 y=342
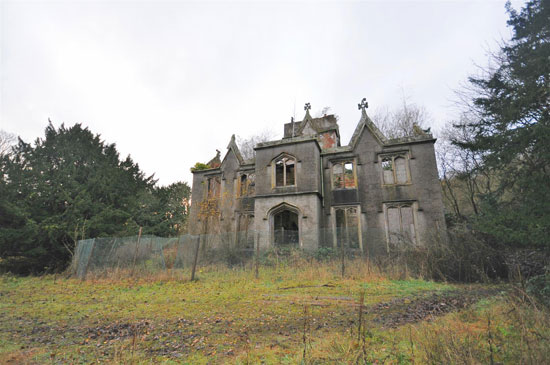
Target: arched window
x=395 y=169
x=347 y=227
x=343 y=176
x=285 y=171
x=400 y=222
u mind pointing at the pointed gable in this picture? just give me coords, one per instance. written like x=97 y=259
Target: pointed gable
x=366 y=123
x=232 y=147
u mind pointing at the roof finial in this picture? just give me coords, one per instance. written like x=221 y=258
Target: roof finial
x=363 y=105
x=307 y=108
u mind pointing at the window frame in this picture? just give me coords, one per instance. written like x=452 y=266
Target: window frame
x=245 y=191
x=400 y=205
x=393 y=156
x=208 y=189
x=359 y=227
x=343 y=163
x=284 y=158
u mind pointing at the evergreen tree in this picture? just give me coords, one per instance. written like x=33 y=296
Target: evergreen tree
x=69 y=185
x=511 y=130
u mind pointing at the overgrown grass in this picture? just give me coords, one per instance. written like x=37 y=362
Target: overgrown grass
x=296 y=311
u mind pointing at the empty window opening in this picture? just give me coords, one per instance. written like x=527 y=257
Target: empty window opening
x=343 y=176
x=213 y=187
x=285 y=227
x=247 y=185
x=347 y=227
x=285 y=172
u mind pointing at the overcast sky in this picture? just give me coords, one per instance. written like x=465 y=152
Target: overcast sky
x=169 y=82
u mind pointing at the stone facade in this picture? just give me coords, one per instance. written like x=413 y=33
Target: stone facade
x=308 y=191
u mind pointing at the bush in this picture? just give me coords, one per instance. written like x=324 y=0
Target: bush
x=463 y=258
x=539 y=287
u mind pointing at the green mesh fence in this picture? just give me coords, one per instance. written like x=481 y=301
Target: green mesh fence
x=139 y=254
x=149 y=254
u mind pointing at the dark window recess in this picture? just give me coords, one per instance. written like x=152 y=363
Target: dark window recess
x=285 y=172
x=279 y=173
x=285 y=226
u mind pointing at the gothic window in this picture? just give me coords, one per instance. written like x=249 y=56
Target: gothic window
x=395 y=169
x=347 y=227
x=247 y=185
x=400 y=223
x=285 y=171
x=343 y=176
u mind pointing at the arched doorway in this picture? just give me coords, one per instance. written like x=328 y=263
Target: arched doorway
x=285 y=228
x=285 y=225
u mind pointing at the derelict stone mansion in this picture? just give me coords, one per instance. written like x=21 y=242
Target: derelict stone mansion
x=309 y=191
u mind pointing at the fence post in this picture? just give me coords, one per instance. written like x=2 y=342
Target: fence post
x=257 y=263
x=195 y=259
x=343 y=256
x=136 y=251
x=88 y=262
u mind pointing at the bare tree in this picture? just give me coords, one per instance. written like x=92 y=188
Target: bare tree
x=463 y=174
x=7 y=140
x=400 y=122
x=246 y=145
x=326 y=110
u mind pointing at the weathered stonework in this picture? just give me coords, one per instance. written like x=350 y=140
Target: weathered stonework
x=308 y=191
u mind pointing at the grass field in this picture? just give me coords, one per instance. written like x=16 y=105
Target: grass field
x=300 y=313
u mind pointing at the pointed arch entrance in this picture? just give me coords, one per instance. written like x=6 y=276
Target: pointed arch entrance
x=285 y=225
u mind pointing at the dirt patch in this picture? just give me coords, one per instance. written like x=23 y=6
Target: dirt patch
x=401 y=311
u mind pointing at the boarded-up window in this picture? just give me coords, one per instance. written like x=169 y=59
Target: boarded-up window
x=343 y=176
x=400 y=170
x=347 y=227
x=285 y=171
x=395 y=169
x=400 y=223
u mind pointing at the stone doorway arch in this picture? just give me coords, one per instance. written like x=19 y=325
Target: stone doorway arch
x=284 y=222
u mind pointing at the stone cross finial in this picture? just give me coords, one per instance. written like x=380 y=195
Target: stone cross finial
x=364 y=105
x=307 y=107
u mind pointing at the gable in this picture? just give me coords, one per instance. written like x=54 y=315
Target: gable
x=366 y=125
x=308 y=130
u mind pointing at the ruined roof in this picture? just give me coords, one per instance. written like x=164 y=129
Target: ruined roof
x=284 y=141
x=215 y=162
x=294 y=133
x=319 y=125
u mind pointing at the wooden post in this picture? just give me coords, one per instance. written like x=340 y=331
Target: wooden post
x=136 y=251
x=343 y=257
x=257 y=263
x=195 y=259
